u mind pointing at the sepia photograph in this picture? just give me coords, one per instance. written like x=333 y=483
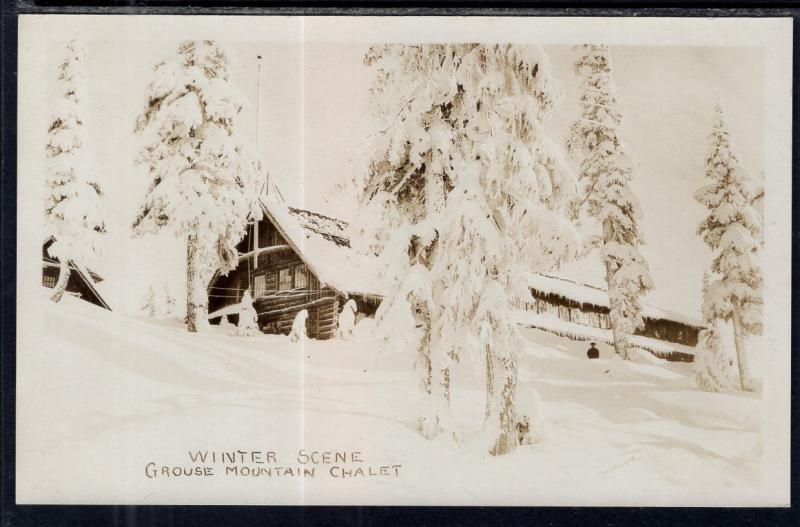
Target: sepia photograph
x=403 y=261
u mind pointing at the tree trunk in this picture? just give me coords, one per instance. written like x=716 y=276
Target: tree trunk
x=507 y=440
x=196 y=309
x=621 y=345
x=745 y=378
x=489 y=384
x=63 y=280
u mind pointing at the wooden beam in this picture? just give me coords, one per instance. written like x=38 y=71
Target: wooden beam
x=297 y=307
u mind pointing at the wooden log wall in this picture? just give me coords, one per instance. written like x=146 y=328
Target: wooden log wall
x=569 y=310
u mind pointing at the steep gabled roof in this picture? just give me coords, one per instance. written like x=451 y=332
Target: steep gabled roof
x=323 y=244
x=90 y=278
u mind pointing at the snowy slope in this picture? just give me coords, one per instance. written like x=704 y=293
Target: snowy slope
x=100 y=395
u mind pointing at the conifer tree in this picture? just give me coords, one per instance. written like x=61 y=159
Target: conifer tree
x=73 y=194
x=605 y=194
x=732 y=230
x=204 y=186
x=470 y=192
x=150 y=304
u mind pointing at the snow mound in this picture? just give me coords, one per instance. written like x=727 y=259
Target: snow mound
x=101 y=394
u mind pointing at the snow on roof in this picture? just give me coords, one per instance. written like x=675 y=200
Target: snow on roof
x=588 y=294
x=322 y=242
x=574 y=331
x=91 y=278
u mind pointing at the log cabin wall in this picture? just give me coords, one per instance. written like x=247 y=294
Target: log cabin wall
x=281 y=285
x=598 y=316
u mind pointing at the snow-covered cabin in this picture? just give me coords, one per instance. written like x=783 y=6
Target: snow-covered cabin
x=82 y=283
x=295 y=259
x=291 y=260
x=581 y=305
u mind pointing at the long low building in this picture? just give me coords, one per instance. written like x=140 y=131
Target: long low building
x=295 y=259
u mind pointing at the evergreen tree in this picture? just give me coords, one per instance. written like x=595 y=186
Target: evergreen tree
x=732 y=231
x=470 y=193
x=150 y=304
x=73 y=214
x=203 y=185
x=605 y=194
x=169 y=301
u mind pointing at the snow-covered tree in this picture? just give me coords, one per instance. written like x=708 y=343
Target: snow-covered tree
x=168 y=301
x=470 y=193
x=203 y=185
x=298 y=332
x=150 y=303
x=711 y=371
x=605 y=194
x=732 y=230
x=347 y=319
x=248 y=318
x=73 y=194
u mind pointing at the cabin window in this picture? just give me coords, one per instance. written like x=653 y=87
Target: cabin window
x=300 y=277
x=594 y=319
x=563 y=313
x=259 y=285
x=285 y=279
x=604 y=322
x=49 y=281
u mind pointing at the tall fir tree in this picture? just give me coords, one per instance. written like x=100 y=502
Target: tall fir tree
x=732 y=230
x=73 y=195
x=605 y=194
x=203 y=185
x=471 y=193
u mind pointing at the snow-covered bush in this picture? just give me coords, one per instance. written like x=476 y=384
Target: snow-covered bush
x=73 y=194
x=150 y=304
x=347 y=319
x=204 y=186
x=465 y=194
x=732 y=230
x=298 y=332
x=248 y=318
x=605 y=194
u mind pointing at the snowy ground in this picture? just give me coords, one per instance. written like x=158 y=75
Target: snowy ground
x=101 y=395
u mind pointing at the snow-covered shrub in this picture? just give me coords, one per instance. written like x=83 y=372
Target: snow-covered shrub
x=150 y=304
x=204 y=186
x=347 y=319
x=605 y=194
x=248 y=318
x=732 y=230
x=298 y=332
x=73 y=193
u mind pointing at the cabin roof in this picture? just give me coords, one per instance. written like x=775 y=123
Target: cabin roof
x=323 y=243
x=595 y=296
x=91 y=278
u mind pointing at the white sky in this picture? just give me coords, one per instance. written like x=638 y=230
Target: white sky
x=314 y=126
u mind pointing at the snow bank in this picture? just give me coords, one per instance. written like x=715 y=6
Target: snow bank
x=101 y=395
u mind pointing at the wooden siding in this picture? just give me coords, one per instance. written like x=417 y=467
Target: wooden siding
x=598 y=316
x=277 y=307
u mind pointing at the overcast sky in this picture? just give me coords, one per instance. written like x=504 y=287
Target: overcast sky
x=314 y=124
